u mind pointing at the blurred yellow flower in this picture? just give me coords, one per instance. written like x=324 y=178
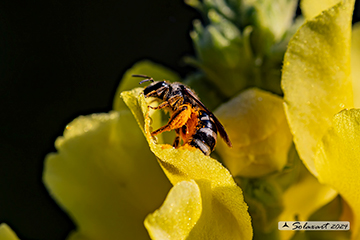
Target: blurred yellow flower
x=255 y=121
x=6 y=233
x=105 y=176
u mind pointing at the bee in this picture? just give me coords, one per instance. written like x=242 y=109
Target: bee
x=193 y=123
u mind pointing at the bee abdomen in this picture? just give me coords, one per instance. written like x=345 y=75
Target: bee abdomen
x=206 y=135
x=200 y=145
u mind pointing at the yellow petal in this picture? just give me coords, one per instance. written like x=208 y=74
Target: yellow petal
x=179 y=213
x=337 y=160
x=311 y=9
x=316 y=77
x=256 y=123
x=6 y=233
x=355 y=63
x=105 y=177
x=145 y=67
x=227 y=203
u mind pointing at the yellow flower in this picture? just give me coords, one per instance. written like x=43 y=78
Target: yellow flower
x=207 y=202
x=117 y=181
x=105 y=176
x=318 y=85
x=255 y=121
x=6 y=233
x=109 y=181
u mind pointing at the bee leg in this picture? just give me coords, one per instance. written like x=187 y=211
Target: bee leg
x=174 y=100
x=177 y=120
x=164 y=104
x=177 y=138
x=168 y=103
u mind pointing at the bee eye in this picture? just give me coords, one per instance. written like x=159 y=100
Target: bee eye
x=155 y=86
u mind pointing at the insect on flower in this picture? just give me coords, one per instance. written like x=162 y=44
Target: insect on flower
x=193 y=123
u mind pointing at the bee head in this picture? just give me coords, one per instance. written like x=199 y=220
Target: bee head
x=156 y=89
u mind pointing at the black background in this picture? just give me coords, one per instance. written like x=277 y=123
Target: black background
x=62 y=59
x=59 y=60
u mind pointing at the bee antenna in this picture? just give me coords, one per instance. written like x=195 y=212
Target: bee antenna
x=144 y=76
x=146 y=80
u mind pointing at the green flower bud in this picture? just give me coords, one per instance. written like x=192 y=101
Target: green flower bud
x=264 y=198
x=273 y=15
x=223 y=54
x=244 y=43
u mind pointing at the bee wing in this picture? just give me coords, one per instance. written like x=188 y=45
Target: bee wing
x=219 y=126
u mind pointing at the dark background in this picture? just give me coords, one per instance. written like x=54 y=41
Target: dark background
x=59 y=60
x=62 y=59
